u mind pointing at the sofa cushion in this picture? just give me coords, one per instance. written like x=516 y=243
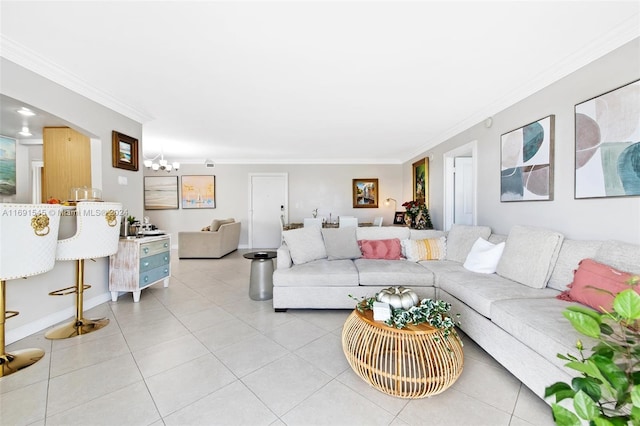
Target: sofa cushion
x=623 y=256
x=392 y=272
x=460 y=239
x=322 y=272
x=484 y=257
x=427 y=249
x=529 y=255
x=596 y=284
x=381 y=232
x=341 y=243
x=479 y=291
x=539 y=324
x=571 y=253
x=381 y=249
x=423 y=234
x=217 y=223
x=305 y=244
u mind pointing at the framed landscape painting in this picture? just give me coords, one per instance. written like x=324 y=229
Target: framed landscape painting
x=607 y=156
x=365 y=193
x=160 y=192
x=124 y=151
x=199 y=192
x=526 y=168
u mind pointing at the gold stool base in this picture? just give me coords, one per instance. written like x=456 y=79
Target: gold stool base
x=76 y=328
x=17 y=360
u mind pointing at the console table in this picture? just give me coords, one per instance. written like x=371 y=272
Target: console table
x=139 y=263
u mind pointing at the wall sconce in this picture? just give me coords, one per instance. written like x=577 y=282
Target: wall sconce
x=388 y=201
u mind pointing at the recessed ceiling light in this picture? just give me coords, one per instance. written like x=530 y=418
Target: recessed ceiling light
x=26 y=112
x=25 y=131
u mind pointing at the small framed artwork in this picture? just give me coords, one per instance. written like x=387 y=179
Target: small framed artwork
x=124 y=151
x=398 y=219
x=526 y=168
x=365 y=193
x=160 y=192
x=198 y=192
x=608 y=144
x=421 y=181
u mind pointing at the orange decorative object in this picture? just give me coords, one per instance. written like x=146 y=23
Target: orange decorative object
x=413 y=362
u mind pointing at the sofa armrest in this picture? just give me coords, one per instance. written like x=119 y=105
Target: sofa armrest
x=283 y=261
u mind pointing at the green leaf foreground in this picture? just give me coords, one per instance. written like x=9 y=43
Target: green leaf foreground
x=607 y=391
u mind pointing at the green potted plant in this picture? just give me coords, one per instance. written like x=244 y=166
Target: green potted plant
x=608 y=390
x=131 y=221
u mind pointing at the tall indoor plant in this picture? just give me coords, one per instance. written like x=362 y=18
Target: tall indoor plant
x=608 y=390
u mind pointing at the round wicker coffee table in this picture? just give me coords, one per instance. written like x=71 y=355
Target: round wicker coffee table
x=413 y=362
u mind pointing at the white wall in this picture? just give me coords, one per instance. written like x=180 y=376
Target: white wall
x=37 y=309
x=604 y=218
x=325 y=187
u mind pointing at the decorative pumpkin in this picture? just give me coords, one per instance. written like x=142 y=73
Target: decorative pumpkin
x=398 y=297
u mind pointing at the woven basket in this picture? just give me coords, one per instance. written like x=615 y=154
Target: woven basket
x=413 y=362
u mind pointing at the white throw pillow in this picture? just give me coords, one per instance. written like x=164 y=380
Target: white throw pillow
x=484 y=257
x=305 y=244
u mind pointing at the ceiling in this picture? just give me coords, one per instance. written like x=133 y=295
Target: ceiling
x=308 y=82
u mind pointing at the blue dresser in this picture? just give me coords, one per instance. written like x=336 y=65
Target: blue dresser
x=139 y=263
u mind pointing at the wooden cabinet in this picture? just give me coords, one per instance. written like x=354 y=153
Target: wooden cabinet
x=67 y=162
x=139 y=263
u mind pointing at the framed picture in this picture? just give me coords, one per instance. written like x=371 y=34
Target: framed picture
x=199 y=192
x=421 y=181
x=7 y=169
x=608 y=144
x=160 y=192
x=398 y=219
x=526 y=162
x=365 y=193
x=124 y=151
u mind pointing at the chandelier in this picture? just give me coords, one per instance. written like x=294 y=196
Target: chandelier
x=162 y=164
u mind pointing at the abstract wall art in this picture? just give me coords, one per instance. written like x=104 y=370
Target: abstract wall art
x=527 y=162
x=607 y=161
x=199 y=192
x=160 y=192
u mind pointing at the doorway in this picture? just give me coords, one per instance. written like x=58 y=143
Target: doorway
x=460 y=186
x=268 y=193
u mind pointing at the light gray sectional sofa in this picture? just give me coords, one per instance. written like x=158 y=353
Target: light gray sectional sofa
x=513 y=313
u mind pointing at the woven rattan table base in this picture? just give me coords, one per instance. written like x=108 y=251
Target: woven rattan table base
x=414 y=362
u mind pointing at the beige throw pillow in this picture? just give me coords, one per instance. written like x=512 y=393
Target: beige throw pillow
x=217 y=223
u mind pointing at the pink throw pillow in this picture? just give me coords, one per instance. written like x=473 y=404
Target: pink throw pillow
x=596 y=285
x=381 y=249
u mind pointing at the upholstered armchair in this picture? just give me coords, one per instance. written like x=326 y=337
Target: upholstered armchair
x=213 y=242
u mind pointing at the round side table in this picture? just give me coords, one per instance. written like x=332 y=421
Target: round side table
x=413 y=362
x=261 y=280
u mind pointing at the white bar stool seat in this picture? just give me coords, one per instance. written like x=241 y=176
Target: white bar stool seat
x=28 y=247
x=97 y=235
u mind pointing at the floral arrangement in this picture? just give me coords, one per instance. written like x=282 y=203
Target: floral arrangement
x=419 y=214
x=433 y=312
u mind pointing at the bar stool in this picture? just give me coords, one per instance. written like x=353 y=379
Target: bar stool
x=28 y=247
x=97 y=234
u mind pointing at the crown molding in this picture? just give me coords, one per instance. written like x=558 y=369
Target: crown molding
x=27 y=58
x=622 y=34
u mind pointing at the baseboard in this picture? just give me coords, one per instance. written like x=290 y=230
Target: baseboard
x=53 y=319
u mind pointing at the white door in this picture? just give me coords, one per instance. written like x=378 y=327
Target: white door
x=460 y=200
x=463 y=191
x=268 y=201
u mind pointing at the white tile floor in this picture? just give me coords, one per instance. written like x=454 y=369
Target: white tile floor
x=202 y=353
